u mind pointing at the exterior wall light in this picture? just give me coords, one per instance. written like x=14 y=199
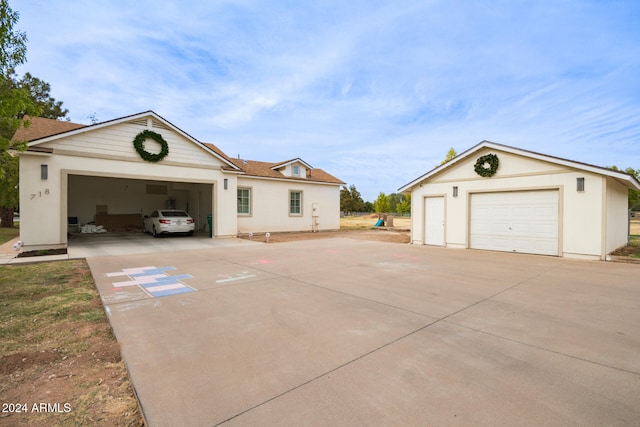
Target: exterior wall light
x=226 y=183
x=455 y=191
x=580 y=184
x=44 y=172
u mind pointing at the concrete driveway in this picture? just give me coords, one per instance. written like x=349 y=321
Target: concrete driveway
x=349 y=332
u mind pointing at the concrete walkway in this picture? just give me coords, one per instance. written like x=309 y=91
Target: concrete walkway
x=348 y=332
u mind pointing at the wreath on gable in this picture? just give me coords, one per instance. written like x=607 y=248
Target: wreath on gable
x=138 y=144
x=487 y=165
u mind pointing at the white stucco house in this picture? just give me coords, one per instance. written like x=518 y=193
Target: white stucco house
x=502 y=198
x=95 y=173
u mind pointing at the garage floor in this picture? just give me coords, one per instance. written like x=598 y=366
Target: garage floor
x=351 y=332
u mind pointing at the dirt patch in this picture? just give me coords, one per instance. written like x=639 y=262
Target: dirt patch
x=60 y=364
x=43 y=252
x=50 y=387
x=378 y=235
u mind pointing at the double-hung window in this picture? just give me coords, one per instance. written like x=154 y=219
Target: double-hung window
x=295 y=202
x=244 y=201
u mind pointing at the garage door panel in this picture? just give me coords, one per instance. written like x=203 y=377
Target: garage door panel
x=520 y=221
x=498 y=227
x=486 y=242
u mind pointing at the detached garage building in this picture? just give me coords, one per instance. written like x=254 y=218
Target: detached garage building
x=502 y=198
x=100 y=174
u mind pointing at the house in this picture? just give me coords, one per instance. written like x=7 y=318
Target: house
x=502 y=198
x=117 y=171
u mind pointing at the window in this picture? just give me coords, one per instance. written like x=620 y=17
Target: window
x=295 y=203
x=244 y=201
x=296 y=170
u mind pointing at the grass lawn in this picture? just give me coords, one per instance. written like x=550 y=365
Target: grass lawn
x=7 y=234
x=59 y=362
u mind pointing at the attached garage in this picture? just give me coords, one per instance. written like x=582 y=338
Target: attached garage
x=119 y=203
x=501 y=198
x=96 y=175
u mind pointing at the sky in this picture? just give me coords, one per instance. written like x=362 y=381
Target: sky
x=373 y=92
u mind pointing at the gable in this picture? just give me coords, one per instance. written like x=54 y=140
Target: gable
x=510 y=165
x=293 y=168
x=115 y=140
x=514 y=162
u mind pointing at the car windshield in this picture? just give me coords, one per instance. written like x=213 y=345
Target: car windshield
x=174 y=214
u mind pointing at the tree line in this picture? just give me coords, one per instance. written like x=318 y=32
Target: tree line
x=351 y=201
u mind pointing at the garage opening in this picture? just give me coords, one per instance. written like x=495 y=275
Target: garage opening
x=515 y=221
x=119 y=204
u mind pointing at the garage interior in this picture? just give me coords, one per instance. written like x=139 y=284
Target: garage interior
x=119 y=204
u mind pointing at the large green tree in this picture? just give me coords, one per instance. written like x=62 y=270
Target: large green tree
x=39 y=94
x=13 y=103
x=28 y=97
x=14 y=43
x=351 y=200
x=404 y=206
x=381 y=205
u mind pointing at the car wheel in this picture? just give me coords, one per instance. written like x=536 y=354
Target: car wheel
x=153 y=231
x=190 y=233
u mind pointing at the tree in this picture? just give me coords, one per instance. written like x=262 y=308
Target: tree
x=9 y=193
x=39 y=94
x=368 y=207
x=18 y=98
x=404 y=206
x=350 y=199
x=14 y=102
x=381 y=204
x=450 y=155
x=634 y=195
x=14 y=43
x=394 y=200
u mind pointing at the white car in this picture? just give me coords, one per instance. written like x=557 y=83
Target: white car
x=169 y=221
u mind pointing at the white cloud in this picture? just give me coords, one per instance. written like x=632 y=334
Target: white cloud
x=373 y=92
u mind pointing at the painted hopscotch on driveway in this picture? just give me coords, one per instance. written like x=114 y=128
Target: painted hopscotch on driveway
x=153 y=280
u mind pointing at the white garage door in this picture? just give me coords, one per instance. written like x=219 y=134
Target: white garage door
x=519 y=221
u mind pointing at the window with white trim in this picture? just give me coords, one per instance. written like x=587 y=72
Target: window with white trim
x=295 y=202
x=296 y=170
x=244 y=201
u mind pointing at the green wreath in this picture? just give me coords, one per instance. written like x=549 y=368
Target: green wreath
x=487 y=165
x=138 y=144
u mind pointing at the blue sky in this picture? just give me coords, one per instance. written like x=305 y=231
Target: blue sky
x=374 y=92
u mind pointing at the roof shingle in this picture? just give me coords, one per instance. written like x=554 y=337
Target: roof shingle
x=41 y=127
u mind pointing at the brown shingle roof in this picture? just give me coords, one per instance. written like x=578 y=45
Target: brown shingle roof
x=264 y=169
x=41 y=128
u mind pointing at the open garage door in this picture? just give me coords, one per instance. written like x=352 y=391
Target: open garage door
x=119 y=204
x=515 y=221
